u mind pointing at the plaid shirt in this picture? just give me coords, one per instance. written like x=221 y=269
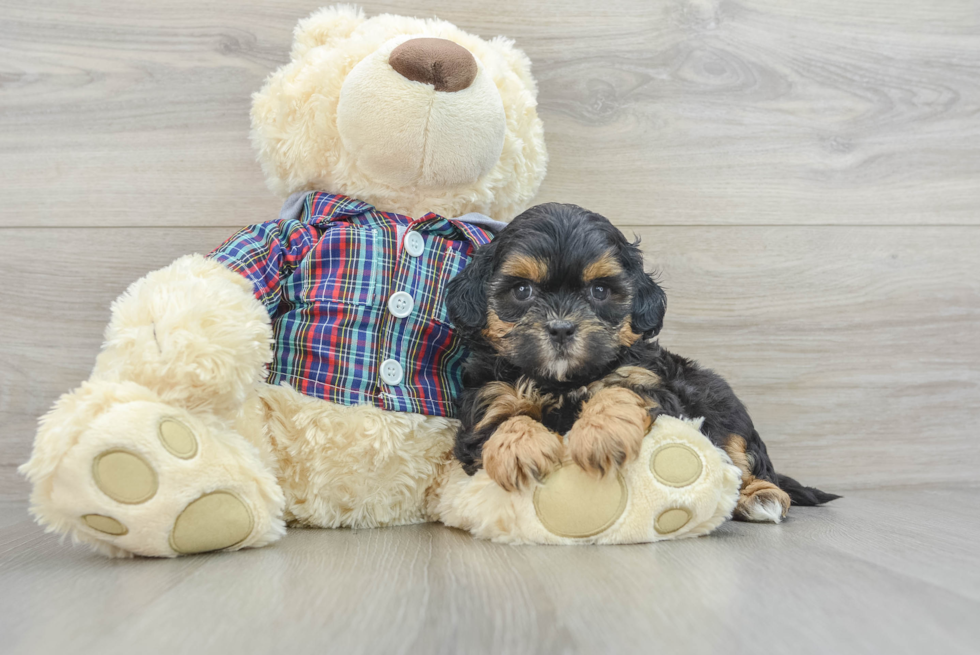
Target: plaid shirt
x=326 y=279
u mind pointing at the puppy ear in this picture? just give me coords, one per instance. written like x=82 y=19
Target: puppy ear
x=649 y=306
x=466 y=294
x=649 y=300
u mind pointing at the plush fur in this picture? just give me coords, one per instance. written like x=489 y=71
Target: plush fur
x=189 y=342
x=559 y=310
x=353 y=466
x=193 y=332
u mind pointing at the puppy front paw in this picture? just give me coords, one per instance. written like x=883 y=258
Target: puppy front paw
x=519 y=450
x=609 y=430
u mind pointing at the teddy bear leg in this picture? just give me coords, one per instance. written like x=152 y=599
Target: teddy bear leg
x=128 y=474
x=352 y=466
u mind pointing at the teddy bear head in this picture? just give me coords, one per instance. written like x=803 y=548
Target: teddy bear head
x=410 y=115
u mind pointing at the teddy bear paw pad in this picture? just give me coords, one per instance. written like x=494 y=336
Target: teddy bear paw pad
x=214 y=521
x=177 y=438
x=671 y=520
x=676 y=465
x=574 y=504
x=124 y=476
x=105 y=524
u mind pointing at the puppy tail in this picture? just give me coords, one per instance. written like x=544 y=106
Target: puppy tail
x=801 y=495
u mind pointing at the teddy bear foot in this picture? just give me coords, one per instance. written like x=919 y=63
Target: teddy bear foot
x=679 y=486
x=149 y=479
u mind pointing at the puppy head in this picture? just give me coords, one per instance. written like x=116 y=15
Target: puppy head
x=557 y=294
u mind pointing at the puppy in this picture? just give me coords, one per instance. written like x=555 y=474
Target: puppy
x=560 y=318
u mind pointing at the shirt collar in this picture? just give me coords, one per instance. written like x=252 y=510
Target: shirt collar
x=475 y=228
x=450 y=228
x=478 y=235
x=334 y=205
x=321 y=205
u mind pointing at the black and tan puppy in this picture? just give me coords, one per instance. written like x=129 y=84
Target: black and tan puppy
x=560 y=317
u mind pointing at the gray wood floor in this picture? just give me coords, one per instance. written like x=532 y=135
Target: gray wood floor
x=881 y=571
x=803 y=175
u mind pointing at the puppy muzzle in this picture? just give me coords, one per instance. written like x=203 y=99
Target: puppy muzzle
x=561 y=332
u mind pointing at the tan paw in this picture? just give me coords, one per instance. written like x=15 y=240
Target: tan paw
x=761 y=502
x=520 y=450
x=609 y=430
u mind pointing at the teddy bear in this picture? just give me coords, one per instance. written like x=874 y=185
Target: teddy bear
x=304 y=372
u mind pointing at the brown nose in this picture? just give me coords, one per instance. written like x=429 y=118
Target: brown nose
x=445 y=65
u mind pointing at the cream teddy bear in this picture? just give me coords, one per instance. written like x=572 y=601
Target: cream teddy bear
x=304 y=372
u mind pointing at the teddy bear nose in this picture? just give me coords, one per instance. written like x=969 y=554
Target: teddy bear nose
x=445 y=65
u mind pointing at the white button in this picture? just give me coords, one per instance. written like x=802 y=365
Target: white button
x=391 y=372
x=400 y=304
x=414 y=244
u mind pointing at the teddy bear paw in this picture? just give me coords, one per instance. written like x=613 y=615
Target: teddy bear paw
x=149 y=479
x=679 y=485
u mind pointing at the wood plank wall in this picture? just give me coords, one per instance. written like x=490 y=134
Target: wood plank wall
x=805 y=177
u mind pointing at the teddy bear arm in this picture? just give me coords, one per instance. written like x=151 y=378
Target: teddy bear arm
x=193 y=332
x=198 y=332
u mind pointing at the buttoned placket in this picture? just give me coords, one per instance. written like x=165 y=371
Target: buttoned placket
x=400 y=304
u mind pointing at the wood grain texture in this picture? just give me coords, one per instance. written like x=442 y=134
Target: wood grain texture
x=882 y=571
x=846 y=112
x=855 y=349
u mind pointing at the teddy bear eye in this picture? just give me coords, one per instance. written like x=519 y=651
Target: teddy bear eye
x=600 y=292
x=523 y=291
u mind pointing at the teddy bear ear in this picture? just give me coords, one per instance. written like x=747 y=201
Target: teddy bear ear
x=517 y=60
x=325 y=26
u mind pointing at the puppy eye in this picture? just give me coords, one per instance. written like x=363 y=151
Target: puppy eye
x=523 y=291
x=600 y=292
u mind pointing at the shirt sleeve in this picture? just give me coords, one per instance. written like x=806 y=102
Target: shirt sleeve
x=267 y=254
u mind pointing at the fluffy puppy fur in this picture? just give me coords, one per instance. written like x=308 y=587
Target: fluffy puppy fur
x=561 y=318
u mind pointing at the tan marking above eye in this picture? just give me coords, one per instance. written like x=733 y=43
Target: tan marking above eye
x=606 y=266
x=525 y=266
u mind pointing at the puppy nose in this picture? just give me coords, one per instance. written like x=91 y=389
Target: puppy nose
x=445 y=65
x=560 y=331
